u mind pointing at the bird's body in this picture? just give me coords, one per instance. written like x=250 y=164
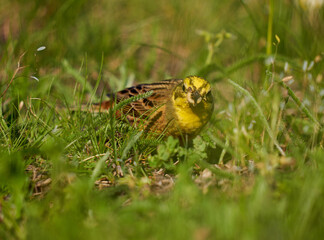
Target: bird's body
x=177 y=107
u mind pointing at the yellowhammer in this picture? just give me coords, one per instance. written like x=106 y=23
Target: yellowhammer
x=177 y=107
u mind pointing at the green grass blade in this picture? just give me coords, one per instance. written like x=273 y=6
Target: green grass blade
x=301 y=106
x=97 y=169
x=260 y=113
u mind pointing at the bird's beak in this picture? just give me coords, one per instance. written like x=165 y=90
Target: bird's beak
x=194 y=98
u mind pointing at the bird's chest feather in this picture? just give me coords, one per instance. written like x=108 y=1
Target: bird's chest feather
x=190 y=119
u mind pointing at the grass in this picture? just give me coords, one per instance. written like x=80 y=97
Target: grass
x=255 y=172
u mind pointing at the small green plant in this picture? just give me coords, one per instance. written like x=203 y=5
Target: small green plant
x=167 y=154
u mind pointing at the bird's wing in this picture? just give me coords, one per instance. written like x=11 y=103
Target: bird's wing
x=143 y=107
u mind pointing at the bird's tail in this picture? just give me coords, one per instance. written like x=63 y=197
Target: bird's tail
x=94 y=108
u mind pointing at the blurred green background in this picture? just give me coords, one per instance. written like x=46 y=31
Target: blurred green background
x=256 y=171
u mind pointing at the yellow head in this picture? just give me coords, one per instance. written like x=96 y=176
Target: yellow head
x=196 y=90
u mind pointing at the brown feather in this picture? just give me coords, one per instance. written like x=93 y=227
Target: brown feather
x=150 y=111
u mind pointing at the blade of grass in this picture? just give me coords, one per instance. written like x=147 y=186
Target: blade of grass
x=98 y=79
x=97 y=169
x=218 y=172
x=131 y=143
x=301 y=106
x=78 y=77
x=260 y=113
x=225 y=146
x=270 y=23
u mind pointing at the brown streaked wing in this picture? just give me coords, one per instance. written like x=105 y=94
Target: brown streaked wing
x=160 y=88
x=142 y=108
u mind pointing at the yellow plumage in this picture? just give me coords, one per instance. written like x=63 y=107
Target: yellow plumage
x=177 y=107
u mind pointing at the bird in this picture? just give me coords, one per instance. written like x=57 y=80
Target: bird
x=174 y=107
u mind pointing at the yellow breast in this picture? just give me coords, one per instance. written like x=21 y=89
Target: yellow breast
x=190 y=120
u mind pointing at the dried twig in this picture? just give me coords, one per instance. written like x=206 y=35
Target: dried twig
x=14 y=75
x=98 y=155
